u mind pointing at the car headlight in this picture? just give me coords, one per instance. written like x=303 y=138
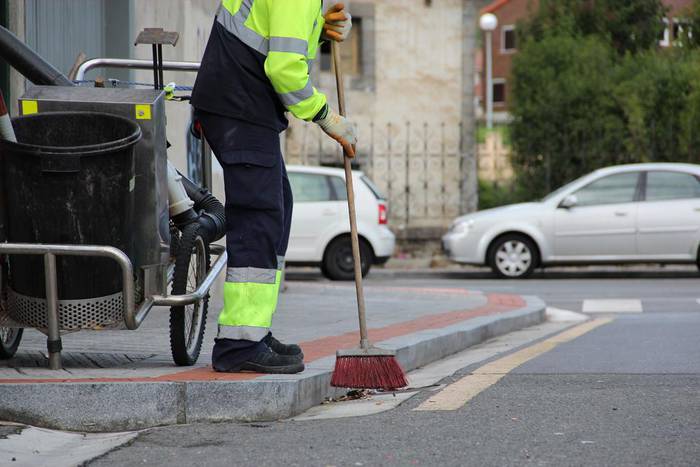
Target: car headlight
x=462 y=227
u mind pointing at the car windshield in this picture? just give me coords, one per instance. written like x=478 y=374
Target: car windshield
x=559 y=190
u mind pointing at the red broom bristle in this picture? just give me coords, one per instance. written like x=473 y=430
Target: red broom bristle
x=368 y=372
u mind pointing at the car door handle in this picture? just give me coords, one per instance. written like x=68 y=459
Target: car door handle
x=328 y=212
x=621 y=214
x=696 y=209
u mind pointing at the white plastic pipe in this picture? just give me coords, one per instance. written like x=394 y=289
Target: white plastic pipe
x=6 y=131
x=177 y=196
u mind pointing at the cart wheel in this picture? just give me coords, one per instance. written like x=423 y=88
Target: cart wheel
x=174 y=239
x=187 y=323
x=9 y=341
x=9 y=337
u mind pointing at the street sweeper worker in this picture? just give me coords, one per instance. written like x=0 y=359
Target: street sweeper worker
x=255 y=69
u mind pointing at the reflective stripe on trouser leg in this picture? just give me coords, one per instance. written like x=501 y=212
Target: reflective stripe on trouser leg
x=250 y=300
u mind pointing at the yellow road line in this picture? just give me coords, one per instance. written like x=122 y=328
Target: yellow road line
x=460 y=392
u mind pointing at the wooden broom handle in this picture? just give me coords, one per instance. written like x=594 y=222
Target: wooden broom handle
x=364 y=342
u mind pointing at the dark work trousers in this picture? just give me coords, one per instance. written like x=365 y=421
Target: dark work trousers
x=258 y=211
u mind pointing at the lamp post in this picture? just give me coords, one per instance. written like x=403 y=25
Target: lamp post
x=488 y=22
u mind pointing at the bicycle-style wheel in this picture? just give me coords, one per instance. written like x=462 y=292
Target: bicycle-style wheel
x=9 y=337
x=187 y=323
x=9 y=342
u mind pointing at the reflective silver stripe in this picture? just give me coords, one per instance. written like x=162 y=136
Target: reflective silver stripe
x=255 y=275
x=280 y=263
x=293 y=98
x=249 y=333
x=235 y=24
x=246 y=6
x=289 y=44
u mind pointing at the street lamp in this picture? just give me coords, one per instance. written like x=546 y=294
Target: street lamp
x=488 y=22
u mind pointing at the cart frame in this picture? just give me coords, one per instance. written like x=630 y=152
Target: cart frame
x=134 y=313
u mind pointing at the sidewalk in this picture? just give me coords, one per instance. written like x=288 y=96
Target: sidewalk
x=124 y=380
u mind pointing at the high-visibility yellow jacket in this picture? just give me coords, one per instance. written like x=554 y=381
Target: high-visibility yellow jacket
x=256 y=65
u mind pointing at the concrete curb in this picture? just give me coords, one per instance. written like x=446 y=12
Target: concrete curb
x=122 y=406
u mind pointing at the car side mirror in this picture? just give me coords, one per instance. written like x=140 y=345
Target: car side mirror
x=569 y=202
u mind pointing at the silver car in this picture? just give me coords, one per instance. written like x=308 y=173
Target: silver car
x=643 y=213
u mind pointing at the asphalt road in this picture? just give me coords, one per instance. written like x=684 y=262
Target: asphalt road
x=625 y=393
x=660 y=289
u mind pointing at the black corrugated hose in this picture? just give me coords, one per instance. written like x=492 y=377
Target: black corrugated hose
x=212 y=216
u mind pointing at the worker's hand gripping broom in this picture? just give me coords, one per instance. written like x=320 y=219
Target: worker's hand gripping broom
x=366 y=367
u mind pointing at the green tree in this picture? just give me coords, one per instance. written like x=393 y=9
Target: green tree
x=565 y=121
x=629 y=25
x=655 y=93
x=591 y=88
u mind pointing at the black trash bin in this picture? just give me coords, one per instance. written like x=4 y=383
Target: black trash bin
x=69 y=180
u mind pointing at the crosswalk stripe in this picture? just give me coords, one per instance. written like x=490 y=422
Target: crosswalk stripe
x=612 y=306
x=455 y=395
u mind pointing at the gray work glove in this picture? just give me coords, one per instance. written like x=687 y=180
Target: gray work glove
x=339 y=128
x=338 y=23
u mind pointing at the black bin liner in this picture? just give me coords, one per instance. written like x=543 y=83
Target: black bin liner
x=70 y=180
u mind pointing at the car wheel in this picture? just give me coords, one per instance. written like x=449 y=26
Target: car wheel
x=513 y=256
x=338 y=264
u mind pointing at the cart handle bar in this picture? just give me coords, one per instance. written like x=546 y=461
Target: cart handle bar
x=132 y=317
x=131 y=63
x=203 y=289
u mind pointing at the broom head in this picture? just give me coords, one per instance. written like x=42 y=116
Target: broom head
x=372 y=368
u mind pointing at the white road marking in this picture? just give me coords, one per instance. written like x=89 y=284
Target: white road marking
x=457 y=394
x=612 y=306
x=557 y=315
x=39 y=447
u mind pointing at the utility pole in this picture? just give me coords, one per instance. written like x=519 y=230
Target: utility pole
x=469 y=196
x=488 y=23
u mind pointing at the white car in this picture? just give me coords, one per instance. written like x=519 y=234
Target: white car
x=320 y=233
x=643 y=213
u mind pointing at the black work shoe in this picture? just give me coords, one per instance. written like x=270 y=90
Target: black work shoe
x=292 y=350
x=269 y=361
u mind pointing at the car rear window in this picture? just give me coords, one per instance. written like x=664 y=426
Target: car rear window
x=373 y=188
x=663 y=186
x=308 y=187
x=339 y=189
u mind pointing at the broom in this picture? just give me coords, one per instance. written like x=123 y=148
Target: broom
x=366 y=367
